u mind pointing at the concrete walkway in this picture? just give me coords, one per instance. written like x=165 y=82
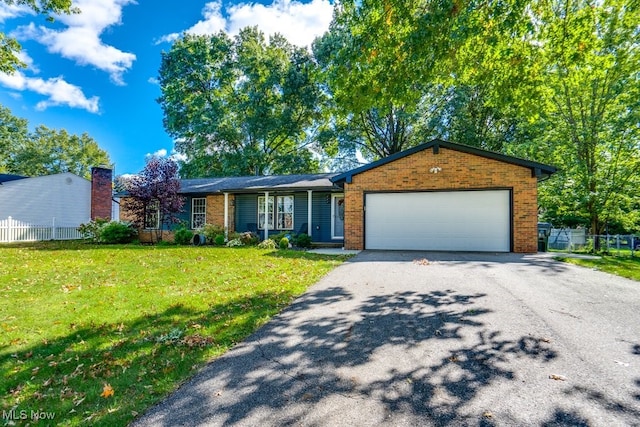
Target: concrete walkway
x=432 y=339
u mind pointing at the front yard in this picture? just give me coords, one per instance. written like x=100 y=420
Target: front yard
x=93 y=335
x=625 y=266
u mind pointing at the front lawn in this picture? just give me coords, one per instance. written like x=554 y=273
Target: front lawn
x=94 y=335
x=628 y=267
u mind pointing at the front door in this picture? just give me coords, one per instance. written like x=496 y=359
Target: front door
x=337 y=216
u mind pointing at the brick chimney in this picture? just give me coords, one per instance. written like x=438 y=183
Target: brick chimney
x=101 y=193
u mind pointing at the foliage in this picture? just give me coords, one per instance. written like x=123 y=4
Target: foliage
x=118 y=232
x=302 y=240
x=248 y=238
x=210 y=231
x=76 y=317
x=284 y=243
x=267 y=244
x=92 y=230
x=45 y=151
x=155 y=189
x=241 y=106
x=9 y=47
x=219 y=240
x=233 y=243
x=183 y=236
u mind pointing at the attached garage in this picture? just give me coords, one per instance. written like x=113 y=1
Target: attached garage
x=439 y=221
x=443 y=196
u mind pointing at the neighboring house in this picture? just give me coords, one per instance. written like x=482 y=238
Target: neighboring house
x=65 y=198
x=436 y=196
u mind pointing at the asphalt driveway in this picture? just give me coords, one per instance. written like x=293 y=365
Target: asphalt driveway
x=409 y=338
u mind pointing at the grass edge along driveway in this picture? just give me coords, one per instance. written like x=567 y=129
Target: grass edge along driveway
x=624 y=266
x=94 y=335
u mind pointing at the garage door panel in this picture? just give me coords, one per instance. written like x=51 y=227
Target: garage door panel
x=452 y=221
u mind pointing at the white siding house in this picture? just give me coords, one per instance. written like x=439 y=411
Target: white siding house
x=64 y=197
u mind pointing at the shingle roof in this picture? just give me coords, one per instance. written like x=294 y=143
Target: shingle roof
x=8 y=177
x=539 y=170
x=257 y=183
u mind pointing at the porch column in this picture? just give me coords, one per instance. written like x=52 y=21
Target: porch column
x=226 y=215
x=309 y=209
x=266 y=215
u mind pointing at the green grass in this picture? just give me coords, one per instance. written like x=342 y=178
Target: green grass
x=77 y=317
x=628 y=267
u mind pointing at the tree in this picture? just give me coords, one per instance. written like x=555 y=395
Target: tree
x=241 y=106
x=45 y=151
x=9 y=47
x=590 y=53
x=153 y=195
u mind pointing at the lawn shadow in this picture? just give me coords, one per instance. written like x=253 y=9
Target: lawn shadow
x=142 y=359
x=340 y=354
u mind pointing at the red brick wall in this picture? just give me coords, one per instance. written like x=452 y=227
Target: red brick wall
x=101 y=193
x=215 y=210
x=458 y=171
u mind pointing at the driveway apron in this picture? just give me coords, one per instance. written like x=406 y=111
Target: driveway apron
x=412 y=338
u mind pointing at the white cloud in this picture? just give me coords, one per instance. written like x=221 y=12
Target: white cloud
x=81 y=42
x=11 y=11
x=160 y=153
x=300 y=23
x=153 y=81
x=24 y=57
x=58 y=91
x=175 y=156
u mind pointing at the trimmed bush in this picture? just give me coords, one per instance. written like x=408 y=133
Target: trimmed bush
x=302 y=240
x=248 y=238
x=183 y=236
x=234 y=243
x=93 y=229
x=284 y=243
x=267 y=244
x=219 y=240
x=118 y=232
x=210 y=231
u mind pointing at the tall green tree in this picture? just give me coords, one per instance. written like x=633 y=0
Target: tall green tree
x=591 y=112
x=45 y=151
x=241 y=106
x=9 y=47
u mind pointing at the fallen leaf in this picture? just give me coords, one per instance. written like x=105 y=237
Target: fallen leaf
x=487 y=414
x=557 y=377
x=107 y=391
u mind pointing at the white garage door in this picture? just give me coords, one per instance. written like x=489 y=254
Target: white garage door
x=439 y=221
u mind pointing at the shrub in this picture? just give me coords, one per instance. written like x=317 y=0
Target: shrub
x=234 y=243
x=93 y=229
x=219 y=240
x=118 y=232
x=248 y=238
x=302 y=240
x=210 y=231
x=284 y=243
x=267 y=244
x=183 y=236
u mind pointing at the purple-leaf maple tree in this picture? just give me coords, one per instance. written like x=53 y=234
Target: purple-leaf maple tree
x=155 y=189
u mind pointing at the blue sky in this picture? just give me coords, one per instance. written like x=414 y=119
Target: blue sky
x=96 y=72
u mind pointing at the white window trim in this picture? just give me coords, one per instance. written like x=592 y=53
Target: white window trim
x=269 y=202
x=193 y=213
x=293 y=210
x=334 y=198
x=273 y=201
x=146 y=212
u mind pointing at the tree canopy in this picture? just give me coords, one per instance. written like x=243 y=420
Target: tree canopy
x=45 y=151
x=241 y=106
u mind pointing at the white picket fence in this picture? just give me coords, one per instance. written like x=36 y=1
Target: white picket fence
x=12 y=230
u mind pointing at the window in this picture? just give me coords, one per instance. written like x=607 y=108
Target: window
x=262 y=209
x=198 y=212
x=284 y=212
x=152 y=216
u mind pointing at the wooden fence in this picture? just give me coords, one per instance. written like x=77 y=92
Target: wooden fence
x=18 y=231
